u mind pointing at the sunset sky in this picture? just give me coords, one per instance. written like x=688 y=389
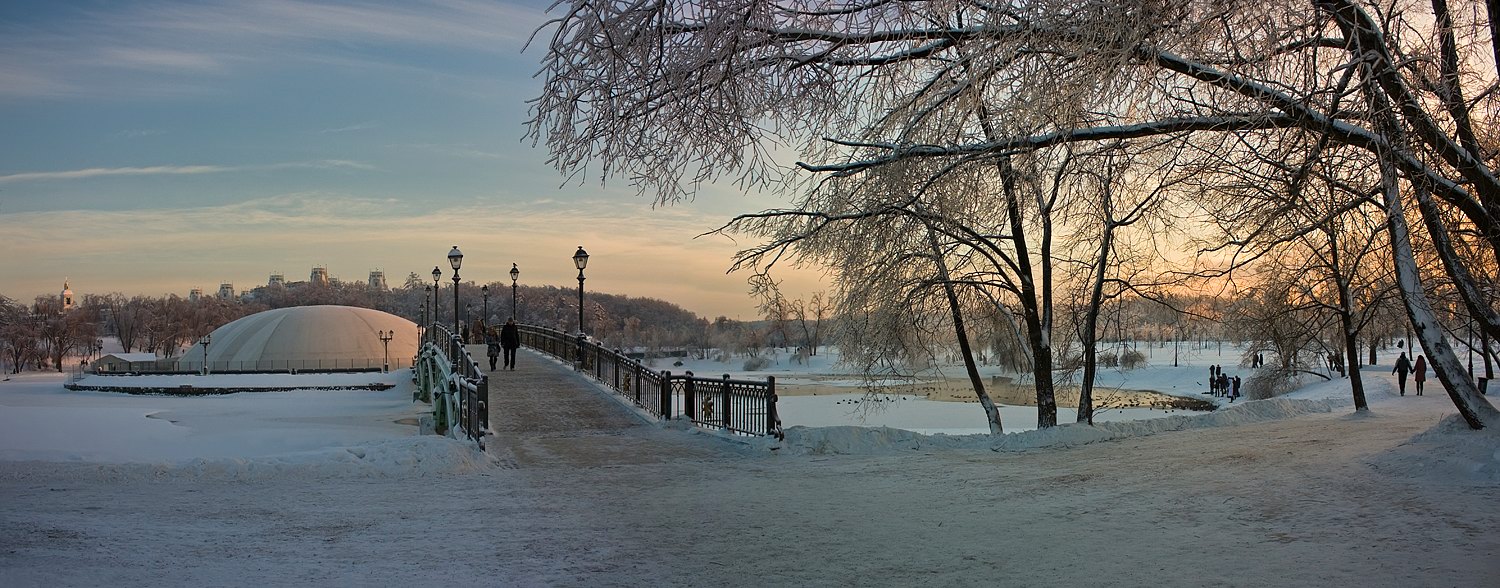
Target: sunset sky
x=154 y=147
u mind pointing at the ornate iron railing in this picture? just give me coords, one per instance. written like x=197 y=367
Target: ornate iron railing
x=458 y=388
x=745 y=407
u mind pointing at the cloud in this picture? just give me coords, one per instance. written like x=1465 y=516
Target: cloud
x=163 y=49
x=177 y=170
x=369 y=124
x=159 y=59
x=95 y=172
x=138 y=133
x=466 y=151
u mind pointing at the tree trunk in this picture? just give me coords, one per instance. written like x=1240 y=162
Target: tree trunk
x=1091 y=322
x=991 y=413
x=1037 y=330
x=1475 y=409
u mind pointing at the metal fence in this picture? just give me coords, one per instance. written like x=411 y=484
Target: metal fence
x=457 y=386
x=170 y=366
x=745 y=407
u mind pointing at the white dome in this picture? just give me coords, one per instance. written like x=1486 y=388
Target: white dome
x=306 y=337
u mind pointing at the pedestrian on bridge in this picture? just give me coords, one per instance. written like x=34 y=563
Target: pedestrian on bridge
x=510 y=339
x=493 y=349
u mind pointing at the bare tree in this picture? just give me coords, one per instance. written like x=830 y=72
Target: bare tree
x=672 y=94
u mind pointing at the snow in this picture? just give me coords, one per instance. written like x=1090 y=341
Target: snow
x=279 y=380
x=333 y=487
x=132 y=357
x=253 y=432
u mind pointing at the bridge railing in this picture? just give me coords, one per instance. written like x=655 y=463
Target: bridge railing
x=746 y=407
x=458 y=388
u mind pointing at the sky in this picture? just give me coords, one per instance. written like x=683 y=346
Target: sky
x=155 y=147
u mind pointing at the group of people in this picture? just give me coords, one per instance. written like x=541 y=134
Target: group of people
x=1220 y=384
x=509 y=339
x=1404 y=366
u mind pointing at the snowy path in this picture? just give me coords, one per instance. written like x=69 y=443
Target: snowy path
x=1319 y=500
x=545 y=414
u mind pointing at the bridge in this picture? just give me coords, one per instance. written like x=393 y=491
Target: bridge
x=555 y=402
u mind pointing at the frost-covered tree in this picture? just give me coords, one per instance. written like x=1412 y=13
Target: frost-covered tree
x=672 y=94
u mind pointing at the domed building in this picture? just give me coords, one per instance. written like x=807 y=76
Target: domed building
x=306 y=338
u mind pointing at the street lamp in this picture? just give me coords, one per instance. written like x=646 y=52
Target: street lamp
x=515 y=274
x=455 y=259
x=580 y=259
x=437 y=274
x=484 y=320
x=385 y=340
x=205 y=341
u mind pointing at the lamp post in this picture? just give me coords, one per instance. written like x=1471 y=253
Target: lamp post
x=385 y=340
x=581 y=260
x=455 y=259
x=515 y=274
x=437 y=274
x=205 y=341
x=484 y=319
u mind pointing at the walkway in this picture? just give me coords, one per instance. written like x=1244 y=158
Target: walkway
x=544 y=414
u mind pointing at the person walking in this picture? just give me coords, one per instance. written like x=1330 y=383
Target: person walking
x=1223 y=383
x=1235 y=387
x=1403 y=367
x=1419 y=372
x=493 y=349
x=510 y=339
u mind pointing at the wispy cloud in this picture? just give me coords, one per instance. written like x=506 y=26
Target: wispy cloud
x=164 y=59
x=136 y=48
x=369 y=124
x=138 y=133
x=457 y=150
x=177 y=170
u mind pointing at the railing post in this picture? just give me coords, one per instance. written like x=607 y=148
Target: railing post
x=689 y=398
x=665 y=391
x=724 y=408
x=636 y=371
x=771 y=418
x=616 y=370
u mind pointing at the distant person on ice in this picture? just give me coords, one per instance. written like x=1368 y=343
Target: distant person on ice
x=510 y=339
x=1419 y=372
x=1403 y=367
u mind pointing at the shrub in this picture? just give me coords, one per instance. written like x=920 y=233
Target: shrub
x=1132 y=359
x=756 y=364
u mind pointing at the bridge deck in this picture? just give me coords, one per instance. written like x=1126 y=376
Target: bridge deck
x=543 y=413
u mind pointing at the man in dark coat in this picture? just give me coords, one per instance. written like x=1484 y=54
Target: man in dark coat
x=1403 y=367
x=510 y=339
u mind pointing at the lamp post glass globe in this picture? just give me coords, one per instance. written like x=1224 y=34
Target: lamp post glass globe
x=455 y=258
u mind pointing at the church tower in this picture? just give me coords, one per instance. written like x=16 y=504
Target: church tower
x=67 y=296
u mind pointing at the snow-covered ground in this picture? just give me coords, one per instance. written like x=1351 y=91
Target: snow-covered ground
x=329 y=487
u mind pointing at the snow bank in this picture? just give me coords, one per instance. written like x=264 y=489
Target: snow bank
x=409 y=456
x=1449 y=453
x=879 y=440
